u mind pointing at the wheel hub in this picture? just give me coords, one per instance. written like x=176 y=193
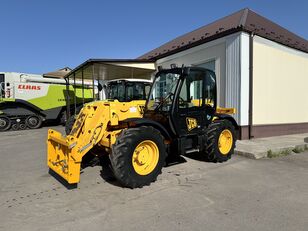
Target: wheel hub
x=225 y=141
x=145 y=157
x=3 y=123
x=142 y=155
x=32 y=121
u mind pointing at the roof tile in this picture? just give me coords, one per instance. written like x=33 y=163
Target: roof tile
x=243 y=20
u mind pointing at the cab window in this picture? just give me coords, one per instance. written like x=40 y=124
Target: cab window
x=192 y=90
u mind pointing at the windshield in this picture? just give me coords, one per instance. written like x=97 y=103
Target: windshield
x=137 y=90
x=163 y=91
x=116 y=91
x=127 y=91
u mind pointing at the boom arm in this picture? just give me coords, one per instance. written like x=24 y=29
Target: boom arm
x=95 y=125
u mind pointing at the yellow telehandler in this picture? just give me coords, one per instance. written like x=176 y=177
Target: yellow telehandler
x=180 y=116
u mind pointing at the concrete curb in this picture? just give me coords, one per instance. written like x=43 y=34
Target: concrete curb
x=251 y=155
x=263 y=148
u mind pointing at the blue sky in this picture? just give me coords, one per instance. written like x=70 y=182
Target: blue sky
x=38 y=36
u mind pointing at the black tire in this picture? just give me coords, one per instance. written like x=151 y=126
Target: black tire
x=69 y=124
x=22 y=126
x=214 y=130
x=15 y=127
x=122 y=155
x=5 y=123
x=34 y=121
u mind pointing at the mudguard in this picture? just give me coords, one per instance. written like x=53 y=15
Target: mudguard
x=228 y=117
x=137 y=122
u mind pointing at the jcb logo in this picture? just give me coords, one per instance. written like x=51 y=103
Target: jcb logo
x=191 y=123
x=28 y=87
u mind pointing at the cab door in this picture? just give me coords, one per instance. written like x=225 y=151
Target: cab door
x=195 y=103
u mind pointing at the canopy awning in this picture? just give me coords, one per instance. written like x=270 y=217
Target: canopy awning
x=109 y=69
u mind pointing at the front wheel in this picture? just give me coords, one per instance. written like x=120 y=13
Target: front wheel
x=220 y=141
x=138 y=156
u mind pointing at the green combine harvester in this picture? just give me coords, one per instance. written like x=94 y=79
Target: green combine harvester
x=27 y=100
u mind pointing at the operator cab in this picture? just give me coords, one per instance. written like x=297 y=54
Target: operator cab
x=183 y=100
x=128 y=90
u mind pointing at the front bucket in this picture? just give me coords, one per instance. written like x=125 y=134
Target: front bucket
x=60 y=153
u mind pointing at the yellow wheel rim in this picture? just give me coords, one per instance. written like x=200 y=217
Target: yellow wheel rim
x=225 y=141
x=145 y=157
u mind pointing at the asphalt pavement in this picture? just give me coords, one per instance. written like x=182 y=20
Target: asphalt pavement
x=241 y=194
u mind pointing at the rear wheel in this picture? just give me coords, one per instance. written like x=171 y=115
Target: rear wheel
x=220 y=141
x=34 y=121
x=5 y=123
x=138 y=156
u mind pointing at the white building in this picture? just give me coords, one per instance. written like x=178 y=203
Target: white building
x=261 y=68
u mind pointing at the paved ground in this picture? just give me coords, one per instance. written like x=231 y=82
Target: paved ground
x=242 y=194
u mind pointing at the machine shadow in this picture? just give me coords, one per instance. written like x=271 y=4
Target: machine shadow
x=62 y=181
x=107 y=173
x=197 y=156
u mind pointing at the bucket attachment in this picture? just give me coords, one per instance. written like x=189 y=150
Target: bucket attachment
x=64 y=154
x=62 y=158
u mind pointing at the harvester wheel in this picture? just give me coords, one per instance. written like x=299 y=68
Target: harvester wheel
x=138 y=156
x=5 y=123
x=220 y=141
x=34 y=121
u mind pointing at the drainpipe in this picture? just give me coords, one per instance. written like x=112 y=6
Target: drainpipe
x=250 y=113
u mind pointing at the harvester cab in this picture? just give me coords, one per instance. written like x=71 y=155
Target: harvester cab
x=180 y=117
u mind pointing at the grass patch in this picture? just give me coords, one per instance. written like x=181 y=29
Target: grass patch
x=273 y=154
x=285 y=152
x=300 y=149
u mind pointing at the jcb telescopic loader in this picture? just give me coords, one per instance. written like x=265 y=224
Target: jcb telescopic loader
x=180 y=117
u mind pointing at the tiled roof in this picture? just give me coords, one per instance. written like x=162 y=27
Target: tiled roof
x=243 y=20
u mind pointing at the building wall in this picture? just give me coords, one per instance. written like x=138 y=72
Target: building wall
x=199 y=55
x=280 y=84
x=237 y=76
